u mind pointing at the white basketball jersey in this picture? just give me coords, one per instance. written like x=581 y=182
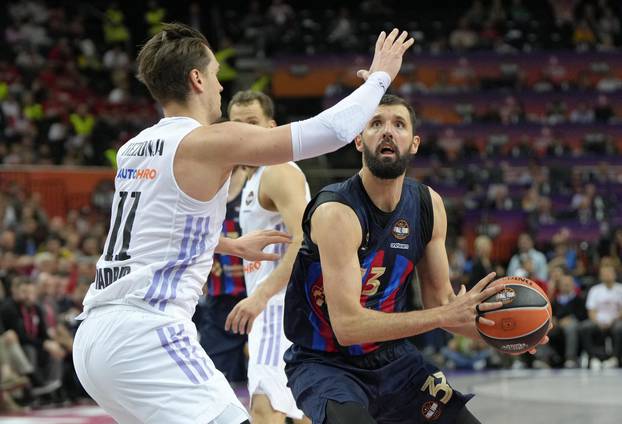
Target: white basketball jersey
x=159 y=249
x=254 y=217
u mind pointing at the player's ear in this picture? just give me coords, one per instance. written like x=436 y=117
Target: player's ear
x=272 y=123
x=414 y=147
x=358 y=143
x=196 y=80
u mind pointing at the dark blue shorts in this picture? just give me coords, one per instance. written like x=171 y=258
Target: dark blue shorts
x=394 y=383
x=224 y=348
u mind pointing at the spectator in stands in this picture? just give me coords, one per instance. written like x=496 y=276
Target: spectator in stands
x=609 y=83
x=341 y=34
x=563 y=252
x=511 y=111
x=22 y=315
x=603 y=112
x=615 y=246
x=568 y=312
x=458 y=262
x=463 y=37
x=583 y=37
x=498 y=198
x=463 y=76
x=482 y=262
x=14 y=365
x=280 y=12
x=496 y=13
x=538 y=265
x=556 y=272
x=604 y=307
x=608 y=27
x=530 y=200
x=588 y=204
x=582 y=114
x=464 y=353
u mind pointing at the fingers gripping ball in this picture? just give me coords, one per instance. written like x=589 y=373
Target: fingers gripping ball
x=522 y=321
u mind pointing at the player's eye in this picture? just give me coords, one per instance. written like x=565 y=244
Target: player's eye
x=376 y=124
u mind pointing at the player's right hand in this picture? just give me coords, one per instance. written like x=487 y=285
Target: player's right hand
x=388 y=55
x=463 y=308
x=240 y=319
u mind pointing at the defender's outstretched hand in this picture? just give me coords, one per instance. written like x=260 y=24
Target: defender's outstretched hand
x=388 y=55
x=250 y=246
x=240 y=319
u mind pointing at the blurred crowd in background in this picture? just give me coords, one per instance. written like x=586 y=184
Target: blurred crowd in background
x=538 y=155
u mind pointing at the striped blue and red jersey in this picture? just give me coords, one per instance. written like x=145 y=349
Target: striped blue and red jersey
x=392 y=245
x=227 y=275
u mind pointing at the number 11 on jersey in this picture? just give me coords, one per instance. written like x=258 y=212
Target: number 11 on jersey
x=127 y=227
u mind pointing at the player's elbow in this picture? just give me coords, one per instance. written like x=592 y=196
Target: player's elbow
x=344 y=338
x=346 y=332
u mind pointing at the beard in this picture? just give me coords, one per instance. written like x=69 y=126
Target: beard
x=385 y=168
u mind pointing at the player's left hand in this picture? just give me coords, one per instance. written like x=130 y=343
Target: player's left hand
x=240 y=319
x=250 y=246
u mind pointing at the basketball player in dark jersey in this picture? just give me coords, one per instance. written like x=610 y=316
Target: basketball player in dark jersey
x=346 y=299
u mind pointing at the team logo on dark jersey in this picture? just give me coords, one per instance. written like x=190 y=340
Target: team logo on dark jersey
x=317 y=292
x=401 y=229
x=431 y=410
x=250 y=197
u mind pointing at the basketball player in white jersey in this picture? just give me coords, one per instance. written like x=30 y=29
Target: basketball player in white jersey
x=136 y=352
x=274 y=197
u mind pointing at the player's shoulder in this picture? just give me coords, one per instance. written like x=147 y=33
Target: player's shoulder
x=345 y=188
x=335 y=217
x=413 y=184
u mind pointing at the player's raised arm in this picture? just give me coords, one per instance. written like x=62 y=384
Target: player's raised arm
x=235 y=143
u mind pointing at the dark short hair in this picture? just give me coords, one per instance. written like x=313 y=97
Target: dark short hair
x=165 y=61
x=393 y=100
x=248 y=96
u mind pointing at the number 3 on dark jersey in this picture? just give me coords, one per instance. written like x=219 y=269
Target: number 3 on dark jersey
x=127 y=228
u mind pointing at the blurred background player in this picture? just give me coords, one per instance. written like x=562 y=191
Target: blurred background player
x=224 y=289
x=346 y=299
x=136 y=352
x=274 y=197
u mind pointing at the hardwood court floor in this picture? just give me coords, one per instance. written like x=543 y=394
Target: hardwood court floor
x=577 y=396
x=502 y=397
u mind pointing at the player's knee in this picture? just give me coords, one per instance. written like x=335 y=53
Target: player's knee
x=262 y=411
x=347 y=412
x=10 y=337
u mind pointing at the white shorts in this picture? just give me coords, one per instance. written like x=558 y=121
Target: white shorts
x=266 y=369
x=142 y=367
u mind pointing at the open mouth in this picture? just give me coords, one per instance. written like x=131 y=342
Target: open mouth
x=387 y=150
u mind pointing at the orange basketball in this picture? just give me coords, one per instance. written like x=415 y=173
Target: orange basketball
x=522 y=321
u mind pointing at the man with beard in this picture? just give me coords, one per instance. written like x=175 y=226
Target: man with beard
x=345 y=306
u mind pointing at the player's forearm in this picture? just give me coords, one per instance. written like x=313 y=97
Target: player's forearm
x=279 y=278
x=467 y=330
x=437 y=298
x=367 y=326
x=340 y=124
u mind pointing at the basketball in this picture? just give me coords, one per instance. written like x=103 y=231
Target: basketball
x=522 y=321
